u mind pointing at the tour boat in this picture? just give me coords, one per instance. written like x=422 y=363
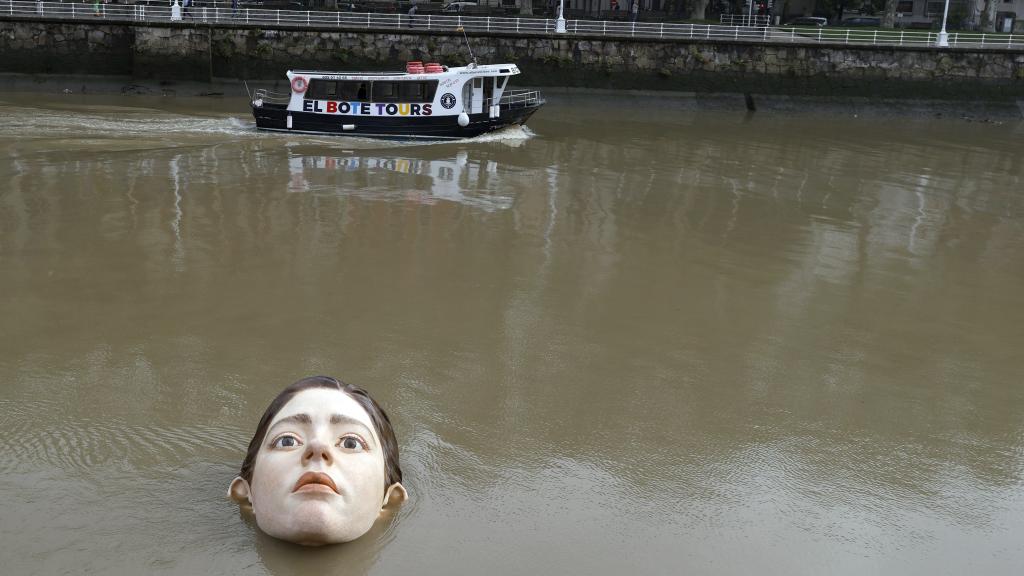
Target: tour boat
x=428 y=101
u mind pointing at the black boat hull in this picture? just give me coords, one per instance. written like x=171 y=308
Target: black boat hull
x=272 y=117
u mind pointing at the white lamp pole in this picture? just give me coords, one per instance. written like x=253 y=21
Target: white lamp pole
x=943 y=40
x=560 y=23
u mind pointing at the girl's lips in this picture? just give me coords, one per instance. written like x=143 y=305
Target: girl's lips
x=315 y=482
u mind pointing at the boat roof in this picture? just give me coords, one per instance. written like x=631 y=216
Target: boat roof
x=470 y=70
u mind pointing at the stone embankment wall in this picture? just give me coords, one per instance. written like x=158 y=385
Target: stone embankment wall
x=188 y=51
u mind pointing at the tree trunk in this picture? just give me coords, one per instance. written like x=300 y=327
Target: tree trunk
x=526 y=7
x=698 y=9
x=889 y=19
x=974 y=9
x=988 y=16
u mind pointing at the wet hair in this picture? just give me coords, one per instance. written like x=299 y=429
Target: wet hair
x=381 y=423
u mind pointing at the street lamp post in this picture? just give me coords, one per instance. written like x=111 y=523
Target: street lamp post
x=560 y=23
x=943 y=40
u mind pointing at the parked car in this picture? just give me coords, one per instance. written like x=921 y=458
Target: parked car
x=808 y=21
x=458 y=7
x=861 y=21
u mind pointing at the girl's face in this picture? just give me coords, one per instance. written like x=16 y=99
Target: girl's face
x=319 y=474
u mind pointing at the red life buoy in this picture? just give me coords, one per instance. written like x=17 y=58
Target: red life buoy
x=298 y=84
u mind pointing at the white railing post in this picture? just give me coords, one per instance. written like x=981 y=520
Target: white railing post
x=874 y=39
x=983 y=40
x=517 y=25
x=901 y=37
x=661 y=32
x=367 y=19
x=847 y=35
x=488 y=23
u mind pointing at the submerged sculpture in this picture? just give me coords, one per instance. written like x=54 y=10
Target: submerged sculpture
x=322 y=466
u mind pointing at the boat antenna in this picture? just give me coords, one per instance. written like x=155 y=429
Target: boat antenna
x=468 y=47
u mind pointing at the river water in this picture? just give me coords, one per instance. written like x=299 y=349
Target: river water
x=636 y=337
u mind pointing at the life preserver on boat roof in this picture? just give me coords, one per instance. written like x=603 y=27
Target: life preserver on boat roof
x=299 y=84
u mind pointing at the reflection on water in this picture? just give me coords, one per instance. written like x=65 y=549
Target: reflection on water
x=374 y=177
x=679 y=339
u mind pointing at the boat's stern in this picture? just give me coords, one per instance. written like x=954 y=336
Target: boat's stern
x=270 y=109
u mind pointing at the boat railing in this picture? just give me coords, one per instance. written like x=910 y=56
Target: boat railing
x=264 y=95
x=519 y=99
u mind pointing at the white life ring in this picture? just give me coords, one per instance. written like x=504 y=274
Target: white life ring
x=299 y=84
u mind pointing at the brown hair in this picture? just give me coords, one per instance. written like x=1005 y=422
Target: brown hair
x=392 y=471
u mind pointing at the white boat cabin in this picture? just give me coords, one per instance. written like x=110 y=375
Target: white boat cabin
x=422 y=90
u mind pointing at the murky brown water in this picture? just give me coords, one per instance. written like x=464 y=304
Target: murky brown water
x=634 y=340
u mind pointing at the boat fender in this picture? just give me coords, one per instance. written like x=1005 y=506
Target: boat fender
x=299 y=84
x=289 y=122
x=463 y=119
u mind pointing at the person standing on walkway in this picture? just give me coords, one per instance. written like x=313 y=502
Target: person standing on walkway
x=412 y=15
x=635 y=9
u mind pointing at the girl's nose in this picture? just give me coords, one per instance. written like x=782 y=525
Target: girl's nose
x=317 y=450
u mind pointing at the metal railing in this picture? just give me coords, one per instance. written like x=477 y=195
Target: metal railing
x=520 y=98
x=264 y=95
x=603 y=28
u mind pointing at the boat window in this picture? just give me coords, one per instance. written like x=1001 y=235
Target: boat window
x=385 y=92
x=418 y=91
x=353 y=91
x=322 y=90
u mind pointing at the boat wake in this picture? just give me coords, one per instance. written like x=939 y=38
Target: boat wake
x=513 y=136
x=22 y=121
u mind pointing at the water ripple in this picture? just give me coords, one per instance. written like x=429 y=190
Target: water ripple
x=80 y=444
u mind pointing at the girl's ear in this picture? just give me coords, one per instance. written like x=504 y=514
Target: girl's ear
x=395 y=495
x=239 y=491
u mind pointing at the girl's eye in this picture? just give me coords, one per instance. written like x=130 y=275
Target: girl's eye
x=286 y=442
x=352 y=443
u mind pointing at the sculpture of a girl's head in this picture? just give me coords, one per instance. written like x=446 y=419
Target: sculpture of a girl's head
x=322 y=466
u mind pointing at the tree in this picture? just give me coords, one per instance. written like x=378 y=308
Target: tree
x=988 y=15
x=697 y=9
x=889 y=19
x=974 y=9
